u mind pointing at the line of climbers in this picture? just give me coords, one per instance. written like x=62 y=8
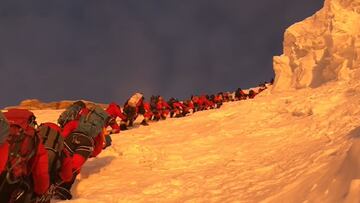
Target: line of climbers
x=41 y=162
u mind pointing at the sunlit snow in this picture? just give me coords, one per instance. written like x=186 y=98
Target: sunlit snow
x=288 y=147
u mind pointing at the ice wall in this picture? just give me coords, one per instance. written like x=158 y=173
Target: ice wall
x=324 y=47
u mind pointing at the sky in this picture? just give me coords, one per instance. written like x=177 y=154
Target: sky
x=105 y=51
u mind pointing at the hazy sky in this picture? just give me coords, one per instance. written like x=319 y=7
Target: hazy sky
x=105 y=50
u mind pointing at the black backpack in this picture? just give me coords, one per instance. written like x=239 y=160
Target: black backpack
x=4 y=128
x=93 y=123
x=71 y=113
x=54 y=145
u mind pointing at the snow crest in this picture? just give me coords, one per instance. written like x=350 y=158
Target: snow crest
x=324 y=47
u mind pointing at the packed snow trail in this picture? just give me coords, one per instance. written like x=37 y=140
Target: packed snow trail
x=289 y=147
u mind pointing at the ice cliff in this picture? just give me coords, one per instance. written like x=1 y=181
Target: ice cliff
x=324 y=47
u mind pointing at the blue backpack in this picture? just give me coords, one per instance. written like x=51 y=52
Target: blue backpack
x=93 y=123
x=71 y=113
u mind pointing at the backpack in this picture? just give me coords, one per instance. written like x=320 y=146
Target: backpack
x=23 y=143
x=70 y=113
x=153 y=102
x=54 y=144
x=134 y=100
x=4 y=128
x=93 y=123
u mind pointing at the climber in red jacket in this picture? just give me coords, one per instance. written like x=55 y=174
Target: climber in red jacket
x=208 y=104
x=82 y=146
x=196 y=102
x=163 y=108
x=203 y=103
x=240 y=94
x=178 y=109
x=114 y=111
x=252 y=94
x=80 y=158
x=218 y=100
x=66 y=168
x=24 y=176
x=189 y=106
x=132 y=108
x=148 y=114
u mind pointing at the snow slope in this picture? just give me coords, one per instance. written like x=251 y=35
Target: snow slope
x=290 y=147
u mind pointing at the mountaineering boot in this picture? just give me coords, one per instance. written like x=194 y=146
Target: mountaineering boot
x=123 y=126
x=143 y=122
x=62 y=190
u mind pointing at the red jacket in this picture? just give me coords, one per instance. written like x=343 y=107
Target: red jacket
x=195 y=100
x=114 y=111
x=114 y=126
x=78 y=160
x=189 y=105
x=4 y=151
x=69 y=128
x=218 y=98
x=179 y=105
x=209 y=103
x=162 y=105
x=65 y=172
x=163 y=108
x=148 y=113
x=202 y=101
x=39 y=170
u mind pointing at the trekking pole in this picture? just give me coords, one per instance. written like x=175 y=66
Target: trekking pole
x=61 y=182
x=20 y=192
x=46 y=198
x=3 y=182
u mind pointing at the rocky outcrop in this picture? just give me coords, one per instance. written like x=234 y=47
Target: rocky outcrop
x=324 y=47
x=35 y=104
